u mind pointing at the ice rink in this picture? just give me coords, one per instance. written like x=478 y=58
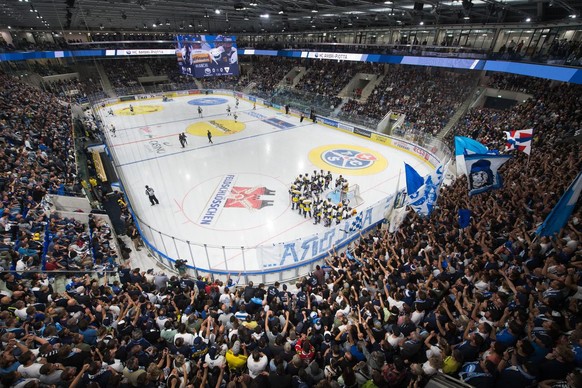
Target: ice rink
x=234 y=192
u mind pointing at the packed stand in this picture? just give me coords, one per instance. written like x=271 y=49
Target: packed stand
x=515 y=83
x=124 y=73
x=230 y=82
x=553 y=112
x=328 y=78
x=486 y=304
x=37 y=159
x=49 y=68
x=76 y=89
x=267 y=73
x=429 y=99
x=305 y=102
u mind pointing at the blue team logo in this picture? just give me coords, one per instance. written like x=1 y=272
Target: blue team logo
x=348 y=159
x=207 y=101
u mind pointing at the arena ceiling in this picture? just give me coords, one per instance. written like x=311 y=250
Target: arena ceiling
x=235 y=16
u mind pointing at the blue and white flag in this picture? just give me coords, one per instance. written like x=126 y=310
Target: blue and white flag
x=464 y=146
x=483 y=172
x=559 y=215
x=357 y=223
x=423 y=192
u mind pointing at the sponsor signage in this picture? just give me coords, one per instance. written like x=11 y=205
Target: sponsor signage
x=327 y=121
x=145 y=52
x=335 y=56
x=218 y=200
x=362 y=132
x=345 y=127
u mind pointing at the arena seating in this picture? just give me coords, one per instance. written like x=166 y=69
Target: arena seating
x=489 y=304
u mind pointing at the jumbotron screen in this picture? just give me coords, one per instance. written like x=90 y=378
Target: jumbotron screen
x=207 y=55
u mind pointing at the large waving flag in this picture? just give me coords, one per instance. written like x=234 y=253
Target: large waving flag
x=464 y=146
x=559 y=215
x=482 y=172
x=519 y=140
x=423 y=192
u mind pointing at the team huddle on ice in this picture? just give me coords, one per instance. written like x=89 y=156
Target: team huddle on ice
x=310 y=196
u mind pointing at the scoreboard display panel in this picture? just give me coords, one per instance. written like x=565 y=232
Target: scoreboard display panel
x=207 y=55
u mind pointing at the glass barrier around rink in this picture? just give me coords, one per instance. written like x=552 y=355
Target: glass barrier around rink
x=285 y=261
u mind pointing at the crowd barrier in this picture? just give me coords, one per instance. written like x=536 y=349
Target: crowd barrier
x=283 y=261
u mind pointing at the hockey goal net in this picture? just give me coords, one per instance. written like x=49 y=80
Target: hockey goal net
x=353 y=195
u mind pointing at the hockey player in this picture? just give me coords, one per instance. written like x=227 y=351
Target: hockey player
x=295 y=194
x=301 y=205
x=235 y=117
x=317 y=210
x=236 y=103
x=199 y=112
x=228 y=110
x=307 y=207
x=113 y=130
x=131 y=108
x=328 y=179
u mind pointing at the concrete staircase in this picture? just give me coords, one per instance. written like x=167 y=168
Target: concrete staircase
x=367 y=91
x=148 y=69
x=247 y=89
x=475 y=94
x=105 y=83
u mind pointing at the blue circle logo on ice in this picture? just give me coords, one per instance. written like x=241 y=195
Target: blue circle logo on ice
x=348 y=159
x=207 y=101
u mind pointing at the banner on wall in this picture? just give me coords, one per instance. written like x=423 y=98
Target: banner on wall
x=317 y=246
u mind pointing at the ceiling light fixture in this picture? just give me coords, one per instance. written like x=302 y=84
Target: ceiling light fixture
x=217 y=11
x=528 y=20
x=265 y=16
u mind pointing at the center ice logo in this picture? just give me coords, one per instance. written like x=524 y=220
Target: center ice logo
x=349 y=159
x=249 y=197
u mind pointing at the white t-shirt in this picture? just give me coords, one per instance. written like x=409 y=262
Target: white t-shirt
x=216 y=362
x=225 y=299
x=416 y=317
x=32 y=371
x=256 y=367
x=394 y=341
x=161 y=321
x=188 y=338
x=433 y=351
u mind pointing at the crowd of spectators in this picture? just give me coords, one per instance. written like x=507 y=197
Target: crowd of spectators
x=428 y=97
x=267 y=73
x=551 y=107
x=489 y=304
x=569 y=50
x=78 y=90
x=328 y=78
x=124 y=72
